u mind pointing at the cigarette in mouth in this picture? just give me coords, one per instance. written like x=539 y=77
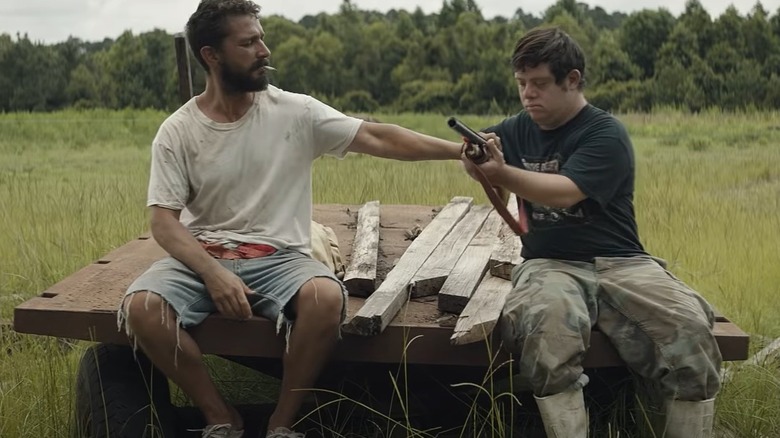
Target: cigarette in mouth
x=269 y=68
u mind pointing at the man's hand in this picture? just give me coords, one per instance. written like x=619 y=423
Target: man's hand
x=493 y=168
x=229 y=294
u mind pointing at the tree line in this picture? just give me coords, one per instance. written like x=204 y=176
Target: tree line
x=452 y=61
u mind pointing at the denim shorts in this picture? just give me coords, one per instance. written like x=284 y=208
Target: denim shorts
x=274 y=280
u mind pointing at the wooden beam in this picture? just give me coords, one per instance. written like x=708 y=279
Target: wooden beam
x=183 y=67
x=431 y=276
x=733 y=343
x=360 y=277
x=382 y=306
x=466 y=275
x=481 y=314
x=506 y=254
x=83 y=306
x=415 y=343
x=770 y=352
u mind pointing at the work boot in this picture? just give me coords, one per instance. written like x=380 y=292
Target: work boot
x=689 y=419
x=564 y=414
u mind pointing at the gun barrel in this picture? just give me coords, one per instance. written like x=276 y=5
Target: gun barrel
x=475 y=150
x=465 y=131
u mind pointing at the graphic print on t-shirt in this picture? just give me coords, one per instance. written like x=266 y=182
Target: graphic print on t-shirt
x=544 y=216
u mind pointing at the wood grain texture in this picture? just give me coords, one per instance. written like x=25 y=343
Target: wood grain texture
x=471 y=267
x=360 y=277
x=481 y=314
x=434 y=271
x=506 y=254
x=83 y=306
x=382 y=306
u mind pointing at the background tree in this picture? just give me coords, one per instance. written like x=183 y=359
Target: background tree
x=6 y=81
x=642 y=35
x=608 y=62
x=452 y=60
x=775 y=23
x=36 y=75
x=528 y=21
x=760 y=42
x=698 y=22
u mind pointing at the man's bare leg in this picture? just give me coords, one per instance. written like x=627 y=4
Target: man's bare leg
x=185 y=368
x=315 y=332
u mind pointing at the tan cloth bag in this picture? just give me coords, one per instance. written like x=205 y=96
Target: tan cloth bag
x=325 y=248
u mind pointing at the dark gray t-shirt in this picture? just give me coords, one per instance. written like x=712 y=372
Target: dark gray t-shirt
x=595 y=152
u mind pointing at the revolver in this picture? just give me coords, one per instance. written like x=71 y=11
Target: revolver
x=475 y=149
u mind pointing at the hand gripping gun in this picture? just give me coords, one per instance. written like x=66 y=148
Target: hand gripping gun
x=475 y=149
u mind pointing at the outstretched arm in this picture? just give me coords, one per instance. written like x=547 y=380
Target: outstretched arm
x=392 y=141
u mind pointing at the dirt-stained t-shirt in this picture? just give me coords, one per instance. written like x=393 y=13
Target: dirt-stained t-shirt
x=595 y=152
x=247 y=181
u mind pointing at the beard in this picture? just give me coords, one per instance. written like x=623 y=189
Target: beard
x=237 y=81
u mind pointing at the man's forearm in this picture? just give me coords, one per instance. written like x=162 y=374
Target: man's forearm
x=396 y=142
x=175 y=239
x=434 y=148
x=547 y=189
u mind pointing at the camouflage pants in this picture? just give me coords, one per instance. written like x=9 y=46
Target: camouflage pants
x=660 y=327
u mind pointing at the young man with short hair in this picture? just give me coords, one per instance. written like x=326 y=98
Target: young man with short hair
x=572 y=165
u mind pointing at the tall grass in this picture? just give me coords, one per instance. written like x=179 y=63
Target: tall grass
x=73 y=186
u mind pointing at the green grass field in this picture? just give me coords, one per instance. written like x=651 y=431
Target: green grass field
x=73 y=186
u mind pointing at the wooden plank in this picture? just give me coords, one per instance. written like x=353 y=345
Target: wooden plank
x=103 y=283
x=75 y=280
x=468 y=272
x=99 y=286
x=360 y=277
x=83 y=307
x=382 y=306
x=733 y=343
x=431 y=276
x=129 y=250
x=88 y=273
x=183 y=67
x=506 y=254
x=417 y=343
x=481 y=314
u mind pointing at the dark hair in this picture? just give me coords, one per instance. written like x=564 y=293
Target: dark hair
x=206 y=26
x=553 y=46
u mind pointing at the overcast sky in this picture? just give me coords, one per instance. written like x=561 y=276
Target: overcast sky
x=54 y=20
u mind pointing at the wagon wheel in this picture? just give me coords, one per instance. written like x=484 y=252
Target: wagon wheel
x=120 y=395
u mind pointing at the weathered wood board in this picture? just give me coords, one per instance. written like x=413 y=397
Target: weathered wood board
x=434 y=271
x=480 y=315
x=382 y=306
x=506 y=254
x=360 y=276
x=471 y=267
x=83 y=306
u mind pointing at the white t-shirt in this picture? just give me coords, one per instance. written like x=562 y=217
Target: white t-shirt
x=250 y=180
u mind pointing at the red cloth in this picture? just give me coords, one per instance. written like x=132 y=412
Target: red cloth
x=242 y=251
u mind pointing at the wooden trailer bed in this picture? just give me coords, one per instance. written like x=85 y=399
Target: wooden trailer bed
x=82 y=306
